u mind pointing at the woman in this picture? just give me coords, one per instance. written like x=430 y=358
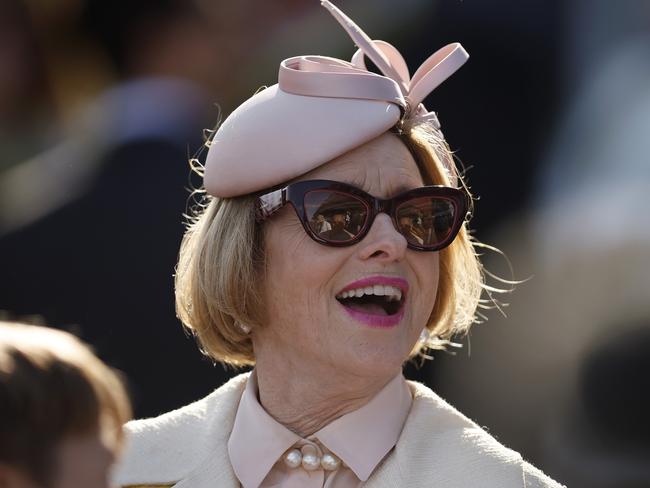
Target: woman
x=328 y=319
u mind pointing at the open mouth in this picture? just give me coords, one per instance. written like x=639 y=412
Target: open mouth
x=373 y=300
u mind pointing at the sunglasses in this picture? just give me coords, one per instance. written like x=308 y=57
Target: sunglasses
x=337 y=214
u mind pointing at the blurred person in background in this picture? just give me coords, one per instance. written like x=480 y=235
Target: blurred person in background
x=61 y=411
x=578 y=330
x=92 y=226
x=25 y=98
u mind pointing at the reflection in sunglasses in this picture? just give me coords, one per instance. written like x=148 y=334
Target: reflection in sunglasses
x=335 y=213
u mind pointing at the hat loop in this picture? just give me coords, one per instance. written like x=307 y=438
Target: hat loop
x=321 y=76
x=436 y=69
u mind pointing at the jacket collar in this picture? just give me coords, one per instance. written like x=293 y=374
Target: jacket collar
x=438 y=446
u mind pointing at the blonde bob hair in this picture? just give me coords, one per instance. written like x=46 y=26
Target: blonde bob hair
x=221 y=265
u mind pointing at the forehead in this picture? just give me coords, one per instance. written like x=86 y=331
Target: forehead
x=382 y=167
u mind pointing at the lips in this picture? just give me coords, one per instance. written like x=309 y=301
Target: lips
x=377 y=301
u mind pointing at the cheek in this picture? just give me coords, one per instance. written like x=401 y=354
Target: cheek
x=299 y=271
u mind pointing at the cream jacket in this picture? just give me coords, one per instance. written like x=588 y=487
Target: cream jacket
x=438 y=447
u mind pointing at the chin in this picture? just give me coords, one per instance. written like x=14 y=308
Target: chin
x=374 y=350
x=374 y=359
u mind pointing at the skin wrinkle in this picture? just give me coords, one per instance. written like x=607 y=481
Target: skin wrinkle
x=314 y=362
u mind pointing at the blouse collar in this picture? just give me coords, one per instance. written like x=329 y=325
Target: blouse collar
x=361 y=438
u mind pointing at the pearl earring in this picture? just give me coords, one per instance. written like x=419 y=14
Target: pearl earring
x=425 y=336
x=246 y=329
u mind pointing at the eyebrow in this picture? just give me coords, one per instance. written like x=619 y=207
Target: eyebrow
x=402 y=188
x=360 y=183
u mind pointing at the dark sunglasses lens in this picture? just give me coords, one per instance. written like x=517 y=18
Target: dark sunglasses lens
x=426 y=221
x=335 y=216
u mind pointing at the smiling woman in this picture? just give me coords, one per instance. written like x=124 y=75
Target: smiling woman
x=332 y=248
x=224 y=249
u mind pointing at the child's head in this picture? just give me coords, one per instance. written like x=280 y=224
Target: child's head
x=61 y=411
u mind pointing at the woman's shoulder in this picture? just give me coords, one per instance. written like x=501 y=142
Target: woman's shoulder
x=162 y=450
x=453 y=447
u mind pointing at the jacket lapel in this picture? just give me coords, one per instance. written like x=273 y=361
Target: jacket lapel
x=442 y=448
x=186 y=448
x=213 y=472
x=215 y=469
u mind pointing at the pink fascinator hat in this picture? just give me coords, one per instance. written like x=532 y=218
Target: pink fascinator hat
x=320 y=108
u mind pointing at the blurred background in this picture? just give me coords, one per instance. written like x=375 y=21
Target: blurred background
x=102 y=103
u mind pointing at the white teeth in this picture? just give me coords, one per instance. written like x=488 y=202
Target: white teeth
x=391 y=293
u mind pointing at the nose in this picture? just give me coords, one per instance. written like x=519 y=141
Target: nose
x=383 y=242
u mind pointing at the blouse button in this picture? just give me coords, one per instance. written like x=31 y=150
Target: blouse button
x=293 y=458
x=310 y=457
x=329 y=462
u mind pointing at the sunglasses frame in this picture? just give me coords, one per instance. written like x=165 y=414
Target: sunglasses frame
x=294 y=193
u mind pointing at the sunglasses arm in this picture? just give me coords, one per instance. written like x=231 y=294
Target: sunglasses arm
x=269 y=203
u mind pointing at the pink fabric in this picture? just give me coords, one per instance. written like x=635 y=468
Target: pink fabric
x=321 y=76
x=361 y=439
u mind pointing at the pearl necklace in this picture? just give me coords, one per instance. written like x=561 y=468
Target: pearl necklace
x=308 y=457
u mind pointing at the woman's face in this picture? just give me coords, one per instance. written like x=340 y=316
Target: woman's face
x=306 y=323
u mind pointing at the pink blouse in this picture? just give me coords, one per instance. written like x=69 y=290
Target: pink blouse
x=361 y=439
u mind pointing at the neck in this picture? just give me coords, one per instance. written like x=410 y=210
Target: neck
x=307 y=401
